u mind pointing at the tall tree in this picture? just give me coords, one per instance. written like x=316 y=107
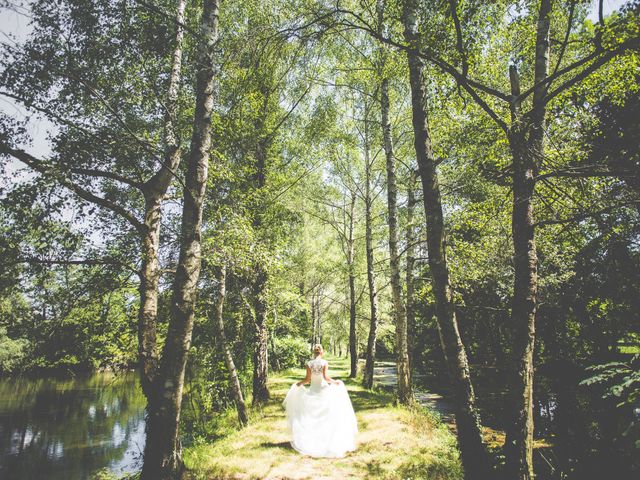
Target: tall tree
x=526 y=139
x=341 y=217
x=260 y=361
x=473 y=453
x=367 y=378
x=162 y=455
x=270 y=66
x=154 y=191
x=399 y=314
x=79 y=124
x=228 y=355
x=350 y=247
x=409 y=272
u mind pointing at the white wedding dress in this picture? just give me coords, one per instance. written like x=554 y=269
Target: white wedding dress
x=321 y=419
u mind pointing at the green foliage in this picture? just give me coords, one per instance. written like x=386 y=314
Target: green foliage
x=288 y=352
x=621 y=381
x=12 y=352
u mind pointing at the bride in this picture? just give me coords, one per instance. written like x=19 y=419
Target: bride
x=321 y=418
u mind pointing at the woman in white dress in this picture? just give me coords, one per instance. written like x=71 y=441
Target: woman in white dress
x=321 y=418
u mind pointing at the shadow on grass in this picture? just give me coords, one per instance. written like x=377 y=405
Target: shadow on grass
x=283 y=445
x=369 y=400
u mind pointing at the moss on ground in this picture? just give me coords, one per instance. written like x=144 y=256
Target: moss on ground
x=393 y=443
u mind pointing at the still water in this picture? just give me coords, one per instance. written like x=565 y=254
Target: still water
x=70 y=429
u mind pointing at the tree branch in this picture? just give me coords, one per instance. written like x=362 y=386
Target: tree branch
x=426 y=55
x=604 y=57
x=566 y=37
x=101 y=173
x=85 y=261
x=42 y=167
x=592 y=68
x=584 y=215
x=453 y=4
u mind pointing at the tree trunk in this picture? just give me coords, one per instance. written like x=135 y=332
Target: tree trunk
x=519 y=444
x=314 y=324
x=353 y=341
x=405 y=395
x=526 y=154
x=148 y=313
x=367 y=379
x=473 y=454
x=228 y=356
x=319 y=318
x=154 y=191
x=411 y=259
x=162 y=455
x=260 y=360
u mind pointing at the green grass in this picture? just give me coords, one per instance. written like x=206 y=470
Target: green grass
x=393 y=443
x=629 y=349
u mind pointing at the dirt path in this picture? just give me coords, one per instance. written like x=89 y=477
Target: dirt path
x=393 y=442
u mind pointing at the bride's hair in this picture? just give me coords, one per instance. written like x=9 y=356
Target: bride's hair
x=317 y=349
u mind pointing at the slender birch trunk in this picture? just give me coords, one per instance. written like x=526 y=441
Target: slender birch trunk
x=154 y=191
x=367 y=379
x=410 y=281
x=260 y=361
x=405 y=394
x=228 y=355
x=261 y=393
x=314 y=322
x=353 y=341
x=162 y=455
x=319 y=318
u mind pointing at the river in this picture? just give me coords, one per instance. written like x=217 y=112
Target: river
x=72 y=428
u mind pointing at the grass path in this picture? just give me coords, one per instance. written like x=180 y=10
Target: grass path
x=393 y=443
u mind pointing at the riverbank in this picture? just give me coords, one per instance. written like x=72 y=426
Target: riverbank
x=393 y=443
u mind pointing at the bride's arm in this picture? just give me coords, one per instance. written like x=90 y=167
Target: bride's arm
x=307 y=379
x=327 y=378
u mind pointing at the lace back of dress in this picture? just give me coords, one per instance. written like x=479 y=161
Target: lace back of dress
x=316 y=365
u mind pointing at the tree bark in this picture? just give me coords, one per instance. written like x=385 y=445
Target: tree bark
x=410 y=281
x=519 y=443
x=154 y=191
x=473 y=454
x=367 y=380
x=316 y=336
x=228 y=355
x=319 y=318
x=405 y=394
x=162 y=455
x=314 y=328
x=148 y=289
x=526 y=153
x=353 y=341
x=260 y=361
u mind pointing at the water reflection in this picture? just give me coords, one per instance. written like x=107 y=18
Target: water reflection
x=70 y=429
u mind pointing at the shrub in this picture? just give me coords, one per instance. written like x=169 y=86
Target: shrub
x=12 y=352
x=288 y=352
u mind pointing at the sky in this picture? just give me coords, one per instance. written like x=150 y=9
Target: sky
x=14 y=26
